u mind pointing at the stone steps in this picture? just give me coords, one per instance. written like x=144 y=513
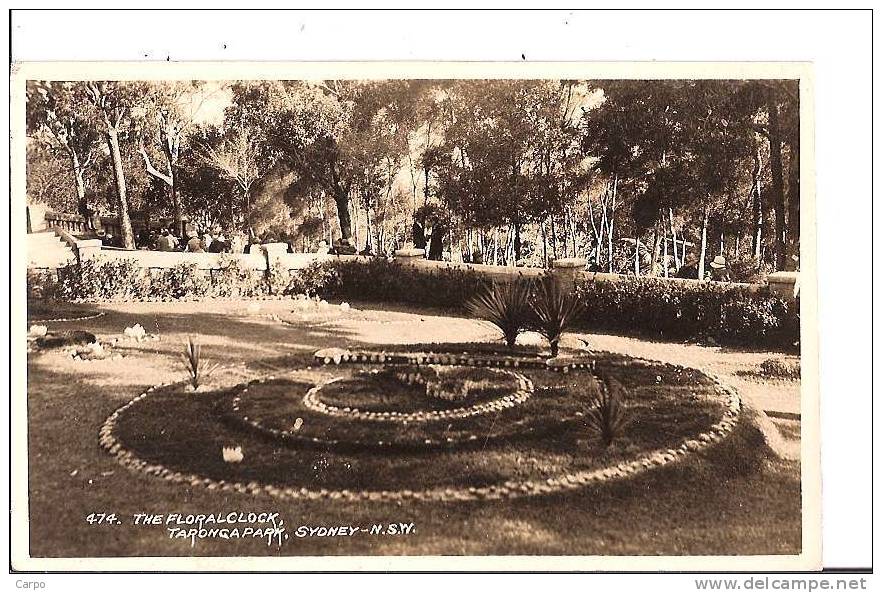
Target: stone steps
x=46 y=250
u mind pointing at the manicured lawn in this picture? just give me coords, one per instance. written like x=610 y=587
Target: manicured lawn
x=734 y=498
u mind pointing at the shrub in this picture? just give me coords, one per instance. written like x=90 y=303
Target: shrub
x=182 y=280
x=782 y=369
x=316 y=279
x=383 y=280
x=279 y=280
x=504 y=304
x=748 y=269
x=689 y=310
x=197 y=367
x=94 y=279
x=41 y=284
x=233 y=279
x=605 y=414
x=556 y=309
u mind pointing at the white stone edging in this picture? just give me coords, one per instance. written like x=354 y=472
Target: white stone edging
x=59 y=319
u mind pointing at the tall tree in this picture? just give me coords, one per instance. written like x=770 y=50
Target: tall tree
x=58 y=119
x=113 y=102
x=167 y=114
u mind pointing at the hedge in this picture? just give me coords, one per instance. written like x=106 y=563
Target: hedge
x=653 y=307
x=647 y=306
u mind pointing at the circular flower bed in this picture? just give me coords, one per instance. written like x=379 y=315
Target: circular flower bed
x=263 y=438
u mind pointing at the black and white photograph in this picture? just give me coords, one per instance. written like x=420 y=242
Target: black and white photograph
x=441 y=314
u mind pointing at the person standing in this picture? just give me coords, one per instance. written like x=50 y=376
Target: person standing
x=719 y=272
x=688 y=270
x=194 y=245
x=219 y=245
x=166 y=242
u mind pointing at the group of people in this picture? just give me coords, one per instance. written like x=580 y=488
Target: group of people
x=717 y=270
x=208 y=242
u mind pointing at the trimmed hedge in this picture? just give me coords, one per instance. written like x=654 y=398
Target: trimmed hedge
x=654 y=307
x=383 y=280
x=682 y=311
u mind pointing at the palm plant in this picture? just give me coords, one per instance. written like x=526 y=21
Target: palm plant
x=504 y=304
x=556 y=309
x=197 y=368
x=606 y=414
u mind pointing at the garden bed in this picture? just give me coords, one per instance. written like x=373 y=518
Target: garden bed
x=673 y=411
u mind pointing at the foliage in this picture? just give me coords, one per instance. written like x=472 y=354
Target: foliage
x=103 y=279
x=506 y=305
x=233 y=279
x=556 y=310
x=586 y=163
x=783 y=369
x=748 y=269
x=606 y=415
x=318 y=279
x=198 y=369
x=41 y=285
x=383 y=280
x=673 y=309
x=183 y=280
x=669 y=309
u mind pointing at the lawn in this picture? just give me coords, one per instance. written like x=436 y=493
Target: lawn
x=736 y=497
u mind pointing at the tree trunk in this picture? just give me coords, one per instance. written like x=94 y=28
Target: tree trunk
x=544 y=245
x=757 y=207
x=341 y=199
x=176 y=208
x=122 y=202
x=517 y=242
x=793 y=205
x=678 y=261
x=78 y=177
x=495 y=245
x=636 y=255
x=665 y=251
x=777 y=189
x=611 y=223
x=656 y=246
x=703 y=244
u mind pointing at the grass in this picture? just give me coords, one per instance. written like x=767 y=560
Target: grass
x=39 y=309
x=734 y=499
x=381 y=391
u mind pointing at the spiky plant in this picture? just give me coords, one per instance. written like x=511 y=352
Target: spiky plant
x=556 y=309
x=197 y=368
x=504 y=304
x=606 y=415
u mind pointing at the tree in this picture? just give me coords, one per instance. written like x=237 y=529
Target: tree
x=235 y=154
x=321 y=130
x=56 y=118
x=238 y=148
x=678 y=145
x=166 y=116
x=113 y=102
